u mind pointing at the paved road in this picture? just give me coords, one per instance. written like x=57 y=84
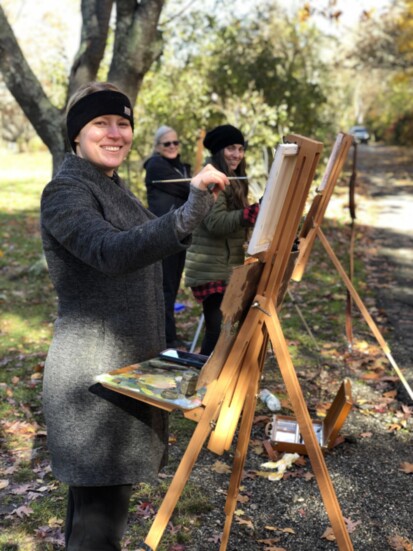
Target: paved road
x=386 y=174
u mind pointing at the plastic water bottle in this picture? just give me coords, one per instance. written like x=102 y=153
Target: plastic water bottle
x=271 y=401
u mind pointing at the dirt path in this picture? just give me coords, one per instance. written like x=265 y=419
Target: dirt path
x=385 y=175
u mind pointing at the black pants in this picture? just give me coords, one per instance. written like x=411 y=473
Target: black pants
x=173 y=267
x=213 y=319
x=96 y=517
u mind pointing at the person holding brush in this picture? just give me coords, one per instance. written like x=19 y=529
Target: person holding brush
x=104 y=251
x=164 y=195
x=218 y=244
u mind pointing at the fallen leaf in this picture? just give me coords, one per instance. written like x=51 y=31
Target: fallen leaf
x=371 y=375
x=243 y=499
x=216 y=538
x=261 y=419
x=20 y=490
x=366 y=434
x=21 y=512
x=406 y=467
x=245 y=522
x=55 y=522
x=275 y=476
x=398 y=543
x=258 y=450
x=321 y=409
x=286 y=530
x=329 y=534
x=407 y=410
x=221 y=468
x=393 y=427
x=174 y=529
x=390 y=394
x=351 y=525
x=269 y=545
x=3 y=484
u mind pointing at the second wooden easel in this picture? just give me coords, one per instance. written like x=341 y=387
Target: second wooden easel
x=311 y=230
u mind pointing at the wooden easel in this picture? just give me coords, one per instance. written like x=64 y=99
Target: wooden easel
x=312 y=229
x=233 y=372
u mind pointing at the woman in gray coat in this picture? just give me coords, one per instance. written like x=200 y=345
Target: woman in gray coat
x=104 y=253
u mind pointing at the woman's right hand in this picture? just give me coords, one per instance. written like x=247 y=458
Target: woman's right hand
x=209 y=178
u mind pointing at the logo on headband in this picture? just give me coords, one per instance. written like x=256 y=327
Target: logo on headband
x=127 y=111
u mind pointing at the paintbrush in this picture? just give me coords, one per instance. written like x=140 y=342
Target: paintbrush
x=189 y=179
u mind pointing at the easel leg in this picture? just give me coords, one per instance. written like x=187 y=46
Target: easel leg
x=179 y=480
x=239 y=461
x=363 y=309
x=244 y=433
x=306 y=427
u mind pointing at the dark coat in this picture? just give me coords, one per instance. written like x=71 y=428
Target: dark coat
x=164 y=197
x=217 y=244
x=103 y=250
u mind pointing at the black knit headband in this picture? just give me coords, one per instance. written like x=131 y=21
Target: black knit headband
x=105 y=102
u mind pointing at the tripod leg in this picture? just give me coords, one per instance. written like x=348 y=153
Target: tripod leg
x=369 y=320
x=182 y=474
x=306 y=427
x=254 y=368
x=239 y=460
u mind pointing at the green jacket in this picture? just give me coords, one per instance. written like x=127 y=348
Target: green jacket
x=217 y=245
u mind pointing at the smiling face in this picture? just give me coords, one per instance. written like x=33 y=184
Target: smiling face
x=233 y=155
x=168 y=145
x=105 y=142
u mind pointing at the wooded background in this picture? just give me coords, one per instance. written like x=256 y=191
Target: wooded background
x=194 y=64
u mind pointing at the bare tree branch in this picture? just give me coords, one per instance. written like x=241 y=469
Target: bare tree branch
x=138 y=43
x=95 y=26
x=27 y=90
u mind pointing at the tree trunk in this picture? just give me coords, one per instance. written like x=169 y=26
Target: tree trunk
x=95 y=27
x=138 y=43
x=28 y=92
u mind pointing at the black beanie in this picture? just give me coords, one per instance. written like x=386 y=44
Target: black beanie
x=103 y=102
x=223 y=136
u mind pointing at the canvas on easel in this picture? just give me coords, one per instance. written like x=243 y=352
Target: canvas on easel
x=273 y=199
x=231 y=377
x=318 y=207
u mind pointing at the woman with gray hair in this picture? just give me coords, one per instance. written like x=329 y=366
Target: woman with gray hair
x=163 y=196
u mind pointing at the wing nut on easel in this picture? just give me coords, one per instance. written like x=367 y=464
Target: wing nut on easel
x=257 y=305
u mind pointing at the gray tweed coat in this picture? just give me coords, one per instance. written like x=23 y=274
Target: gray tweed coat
x=103 y=250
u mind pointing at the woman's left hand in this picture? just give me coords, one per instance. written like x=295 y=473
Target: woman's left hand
x=209 y=178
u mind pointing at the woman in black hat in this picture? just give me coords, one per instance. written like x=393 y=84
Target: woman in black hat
x=218 y=244
x=104 y=253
